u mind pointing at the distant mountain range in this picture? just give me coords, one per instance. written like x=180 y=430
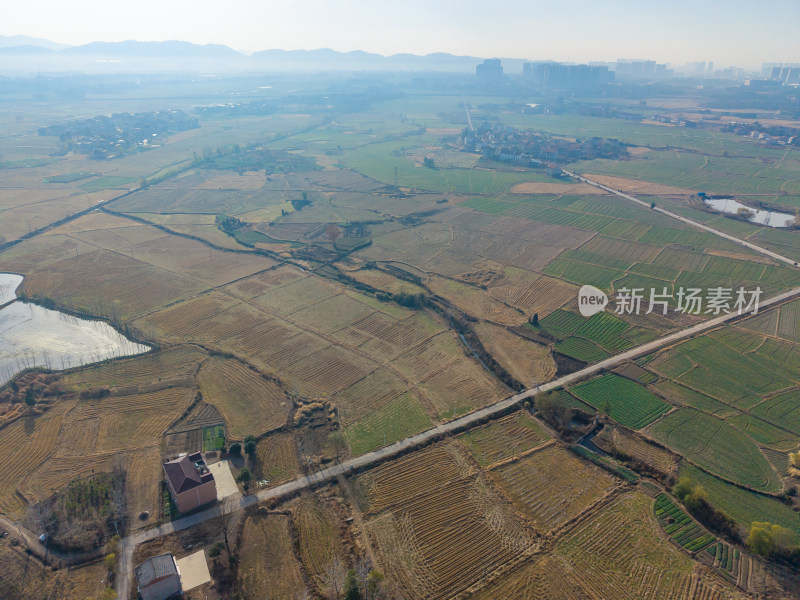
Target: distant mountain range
x=26 y=40
x=22 y=53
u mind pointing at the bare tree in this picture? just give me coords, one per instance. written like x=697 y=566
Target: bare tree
x=228 y=519
x=119 y=497
x=363 y=568
x=333 y=575
x=338 y=442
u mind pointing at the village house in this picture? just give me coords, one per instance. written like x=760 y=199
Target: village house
x=158 y=578
x=190 y=483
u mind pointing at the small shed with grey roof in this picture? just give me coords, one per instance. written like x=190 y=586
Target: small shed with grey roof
x=158 y=578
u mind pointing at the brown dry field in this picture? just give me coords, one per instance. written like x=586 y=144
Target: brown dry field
x=23 y=577
x=619 y=551
x=540 y=187
x=268 y=568
x=229 y=180
x=639 y=187
x=631 y=445
x=77 y=437
x=552 y=485
x=276 y=458
x=249 y=403
x=437 y=525
x=529 y=362
x=475 y=301
x=637 y=151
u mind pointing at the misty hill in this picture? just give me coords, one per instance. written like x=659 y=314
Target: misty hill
x=174 y=56
x=132 y=48
x=26 y=40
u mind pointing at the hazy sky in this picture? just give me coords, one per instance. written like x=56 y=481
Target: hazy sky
x=740 y=32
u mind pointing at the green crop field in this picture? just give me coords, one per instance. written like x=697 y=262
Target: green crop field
x=561 y=322
x=717 y=446
x=783 y=410
x=213 y=438
x=396 y=420
x=605 y=329
x=105 y=182
x=628 y=403
x=581 y=349
x=730 y=366
x=679 y=526
x=742 y=505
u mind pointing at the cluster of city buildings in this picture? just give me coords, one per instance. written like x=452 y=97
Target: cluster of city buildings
x=594 y=75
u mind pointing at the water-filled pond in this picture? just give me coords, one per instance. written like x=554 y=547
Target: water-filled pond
x=34 y=336
x=761 y=217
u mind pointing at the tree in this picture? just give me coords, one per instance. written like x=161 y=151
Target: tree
x=363 y=569
x=766 y=539
x=428 y=162
x=250 y=446
x=351 y=591
x=374 y=585
x=216 y=550
x=236 y=449
x=333 y=574
x=30 y=398
x=554 y=412
x=535 y=319
x=110 y=561
x=244 y=477
x=696 y=499
x=683 y=488
x=652 y=205
x=794 y=459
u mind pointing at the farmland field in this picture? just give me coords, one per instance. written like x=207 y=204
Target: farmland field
x=249 y=402
x=716 y=446
x=629 y=444
x=457 y=515
x=517 y=433
x=616 y=553
x=269 y=567
x=627 y=402
x=304 y=274
x=551 y=486
x=742 y=505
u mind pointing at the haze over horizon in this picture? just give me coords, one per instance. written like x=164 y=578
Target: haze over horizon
x=730 y=33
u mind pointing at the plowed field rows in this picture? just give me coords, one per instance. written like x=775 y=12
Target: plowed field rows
x=552 y=485
x=250 y=404
x=505 y=437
